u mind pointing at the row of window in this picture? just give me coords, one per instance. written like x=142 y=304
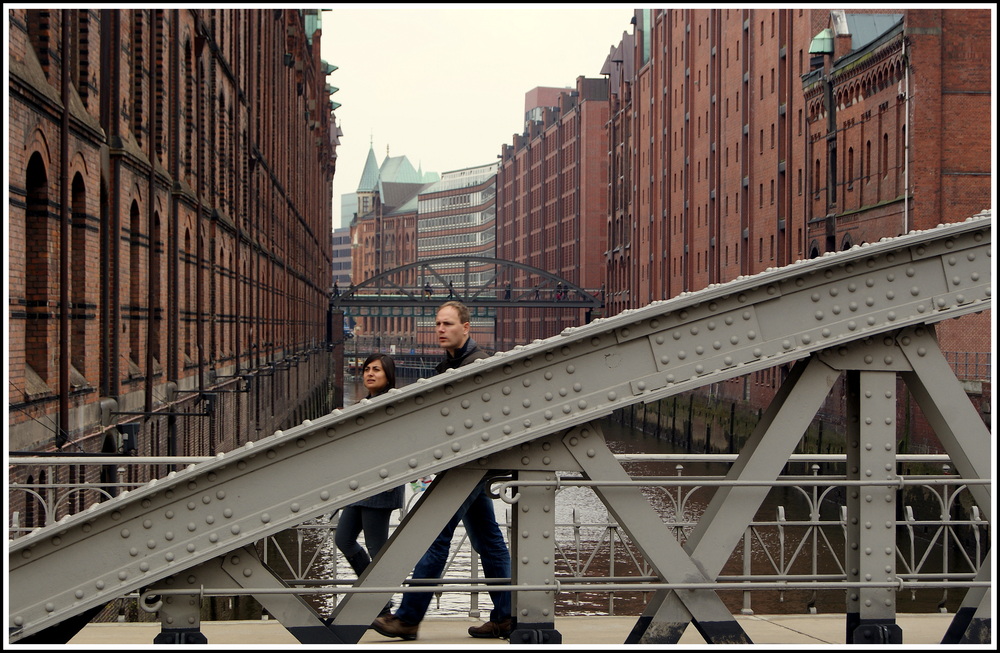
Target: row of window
x=473 y=239
x=476 y=219
x=448 y=202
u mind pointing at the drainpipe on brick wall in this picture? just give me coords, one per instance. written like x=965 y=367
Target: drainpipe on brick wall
x=906 y=141
x=64 y=333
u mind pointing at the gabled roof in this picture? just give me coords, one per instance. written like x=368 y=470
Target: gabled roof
x=399 y=169
x=865 y=28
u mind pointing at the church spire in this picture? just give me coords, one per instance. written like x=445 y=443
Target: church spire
x=369 y=177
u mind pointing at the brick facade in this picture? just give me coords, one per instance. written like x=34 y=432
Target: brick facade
x=552 y=202
x=735 y=150
x=170 y=183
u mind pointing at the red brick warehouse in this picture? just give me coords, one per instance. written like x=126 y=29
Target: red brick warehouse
x=170 y=182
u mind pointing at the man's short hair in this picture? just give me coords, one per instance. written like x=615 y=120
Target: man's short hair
x=460 y=308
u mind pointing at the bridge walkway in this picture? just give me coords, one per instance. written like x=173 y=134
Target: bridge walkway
x=586 y=631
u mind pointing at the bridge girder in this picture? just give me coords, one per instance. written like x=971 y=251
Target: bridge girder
x=509 y=400
x=403 y=288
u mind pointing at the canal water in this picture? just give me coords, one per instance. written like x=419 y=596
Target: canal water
x=590 y=548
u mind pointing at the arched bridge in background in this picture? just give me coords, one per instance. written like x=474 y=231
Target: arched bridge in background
x=522 y=416
x=482 y=283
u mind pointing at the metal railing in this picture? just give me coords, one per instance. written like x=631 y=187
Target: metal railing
x=942 y=540
x=970 y=365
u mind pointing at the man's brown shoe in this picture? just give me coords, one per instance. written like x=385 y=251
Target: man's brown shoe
x=492 y=629
x=389 y=625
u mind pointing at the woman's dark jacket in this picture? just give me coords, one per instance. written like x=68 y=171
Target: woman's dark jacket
x=386 y=500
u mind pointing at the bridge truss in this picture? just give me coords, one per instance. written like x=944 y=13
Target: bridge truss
x=519 y=417
x=484 y=284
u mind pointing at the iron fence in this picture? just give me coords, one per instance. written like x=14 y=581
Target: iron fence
x=795 y=551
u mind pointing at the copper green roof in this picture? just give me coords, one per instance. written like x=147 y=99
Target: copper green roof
x=370 y=175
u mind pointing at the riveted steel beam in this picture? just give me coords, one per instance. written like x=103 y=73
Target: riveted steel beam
x=239 y=569
x=533 y=535
x=637 y=517
x=399 y=555
x=732 y=508
x=870 y=553
x=777 y=317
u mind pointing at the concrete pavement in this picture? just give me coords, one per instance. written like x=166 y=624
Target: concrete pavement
x=597 y=632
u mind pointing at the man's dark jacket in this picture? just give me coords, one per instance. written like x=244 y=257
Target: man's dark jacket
x=469 y=352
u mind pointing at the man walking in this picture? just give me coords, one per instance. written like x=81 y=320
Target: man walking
x=476 y=512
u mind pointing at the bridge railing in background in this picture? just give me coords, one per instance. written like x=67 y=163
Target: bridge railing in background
x=970 y=365
x=941 y=535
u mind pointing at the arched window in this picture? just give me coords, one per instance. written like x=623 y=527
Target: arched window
x=187 y=256
x=156 y=302
x=850 y=168
x=885 y=155
x=39 y=267
x=78 y=276
x=867 y=172
x=135 y=269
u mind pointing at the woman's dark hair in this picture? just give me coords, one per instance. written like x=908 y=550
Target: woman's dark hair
x=387 y=364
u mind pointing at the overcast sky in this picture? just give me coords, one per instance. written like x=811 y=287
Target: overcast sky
x=444 y=85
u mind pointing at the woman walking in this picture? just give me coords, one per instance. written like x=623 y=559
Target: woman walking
x=370 y=515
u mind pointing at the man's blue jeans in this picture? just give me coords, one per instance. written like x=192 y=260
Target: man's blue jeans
x=480 y=522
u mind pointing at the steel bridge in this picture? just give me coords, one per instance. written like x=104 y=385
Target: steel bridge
x=520 y=417
x=484 y=284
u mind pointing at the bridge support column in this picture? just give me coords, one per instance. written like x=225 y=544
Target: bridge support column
x=180 y=617
x=241 y=569
x=871 y=509
x=533 y=560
